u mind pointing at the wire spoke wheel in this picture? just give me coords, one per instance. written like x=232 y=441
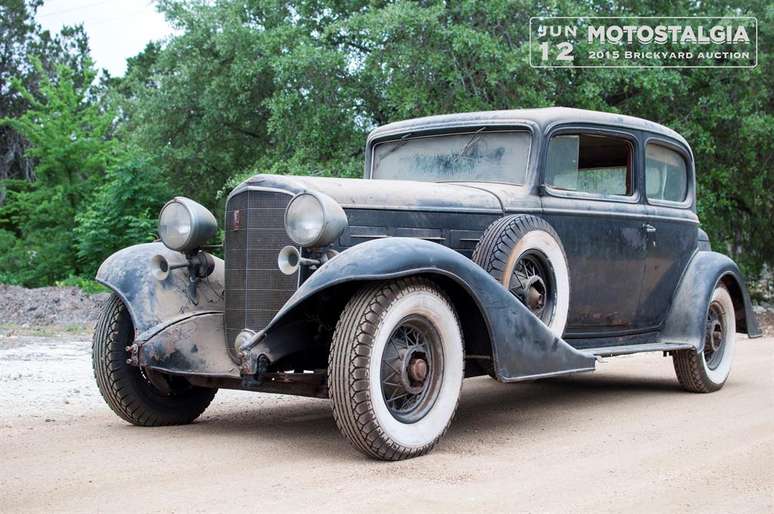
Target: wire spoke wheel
x=525 y=255
x=715 y=335
x=705 y=370
x=534 y=284
x=411 y=369
x=395 y=368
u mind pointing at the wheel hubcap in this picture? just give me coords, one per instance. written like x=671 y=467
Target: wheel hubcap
x=532 y=282
x=715 y=336
x=535 y=297
x=417 y=370
x=411 y=369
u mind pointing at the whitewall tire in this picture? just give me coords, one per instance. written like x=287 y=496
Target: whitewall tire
x=706 y=371
x=396 y=368
x=525 y=255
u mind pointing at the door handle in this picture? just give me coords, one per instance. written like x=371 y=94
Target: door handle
x=647 y=227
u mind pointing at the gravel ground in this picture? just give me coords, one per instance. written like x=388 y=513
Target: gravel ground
x=625 y=438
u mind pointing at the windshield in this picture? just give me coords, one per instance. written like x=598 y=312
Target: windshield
x=471 y=157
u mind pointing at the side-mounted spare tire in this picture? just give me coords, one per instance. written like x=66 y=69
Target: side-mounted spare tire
x=141 y=397
x=525 y=255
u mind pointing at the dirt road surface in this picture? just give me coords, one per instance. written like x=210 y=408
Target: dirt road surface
x=623 y=438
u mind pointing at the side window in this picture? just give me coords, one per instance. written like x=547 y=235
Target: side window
x=594 y=164
x=666 y=175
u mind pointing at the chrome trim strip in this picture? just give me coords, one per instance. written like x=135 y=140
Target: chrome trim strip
x=521 y=210
x=547 y=375
x=420 y=208
x=612 y=351
x=613 y=334
x=383 y=236
x=642 y=215
x=583 y=195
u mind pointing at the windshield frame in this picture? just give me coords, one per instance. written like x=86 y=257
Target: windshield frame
x=472 y=130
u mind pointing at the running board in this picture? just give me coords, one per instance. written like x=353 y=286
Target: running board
x=612 y=351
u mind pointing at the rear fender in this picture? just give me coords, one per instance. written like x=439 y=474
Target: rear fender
x=686 y=320
x=522 y=346
x=156 y=304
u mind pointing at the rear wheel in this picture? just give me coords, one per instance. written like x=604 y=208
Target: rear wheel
x=708 y=370
x=139 y=396
x=396 y=368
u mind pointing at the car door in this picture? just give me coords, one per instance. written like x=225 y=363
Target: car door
x=590 y=196
x=672 y=224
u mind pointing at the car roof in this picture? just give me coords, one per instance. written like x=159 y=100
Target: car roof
x=543 y=118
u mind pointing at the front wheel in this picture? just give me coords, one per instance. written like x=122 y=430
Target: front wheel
x=707 y=371
x=395 y=368
x=141 y=397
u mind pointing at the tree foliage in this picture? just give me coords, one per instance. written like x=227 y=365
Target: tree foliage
x=294 y=87
x=21 y=41
x=69 y=142
x=247 y=86
x=123 y=209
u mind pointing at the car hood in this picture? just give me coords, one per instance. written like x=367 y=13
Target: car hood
x=393 y=194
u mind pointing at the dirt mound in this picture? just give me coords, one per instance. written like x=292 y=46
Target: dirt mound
x=47 y=306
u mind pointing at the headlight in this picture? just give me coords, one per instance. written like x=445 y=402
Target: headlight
x=314 y=219
x=185 y=225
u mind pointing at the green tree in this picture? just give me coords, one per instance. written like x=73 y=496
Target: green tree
x=252 y=86
x=122 y=211
x=198 y=106
x=21 y=38
x=69 y=136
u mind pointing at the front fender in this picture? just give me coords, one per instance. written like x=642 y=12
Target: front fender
x=153 y=304
x=192 y=346
x=687 y=317
x=522 y=346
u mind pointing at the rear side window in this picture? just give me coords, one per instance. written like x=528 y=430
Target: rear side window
x=599 y=165
x=666 y=175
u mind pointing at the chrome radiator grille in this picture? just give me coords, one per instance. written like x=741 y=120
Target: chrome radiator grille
x=255 y=233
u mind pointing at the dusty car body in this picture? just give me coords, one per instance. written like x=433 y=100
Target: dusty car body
x=547 y=238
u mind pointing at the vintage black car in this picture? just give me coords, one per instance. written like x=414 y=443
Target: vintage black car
x=518 y=244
